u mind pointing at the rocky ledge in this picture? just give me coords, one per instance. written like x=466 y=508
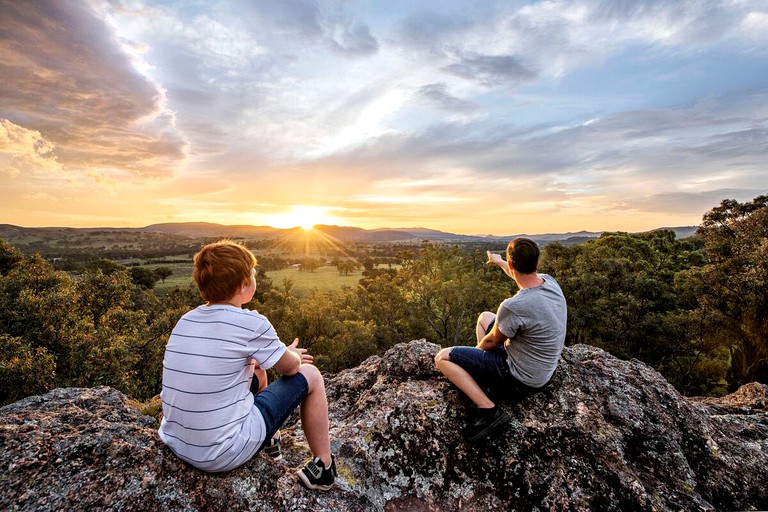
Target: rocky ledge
x=605 y=434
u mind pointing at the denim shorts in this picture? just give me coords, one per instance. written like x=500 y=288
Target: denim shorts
x=278 y=400
x=490 y=370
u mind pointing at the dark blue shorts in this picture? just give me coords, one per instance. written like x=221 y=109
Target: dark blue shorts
x=490 y=370
x=278 y=400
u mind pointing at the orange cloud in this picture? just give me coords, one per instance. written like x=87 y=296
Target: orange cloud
x=67 y=79
x=22 y=147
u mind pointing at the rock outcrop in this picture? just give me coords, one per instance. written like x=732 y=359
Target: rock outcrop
x=605 y=434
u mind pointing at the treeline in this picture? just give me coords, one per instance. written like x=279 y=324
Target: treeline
x=695 y=309
x=72 y=254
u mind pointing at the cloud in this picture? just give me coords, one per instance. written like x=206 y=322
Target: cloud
x=505 y=43
x=39 y=196
x=434 y=32
x=623 y=158
x=22 y=147
x=296 y=17
x=583 y=105
x=68 y=78
x=492 y=70
x=311 y=22
x=693 y=202
x=438 y=96
x=353 y=38
x=670 y=22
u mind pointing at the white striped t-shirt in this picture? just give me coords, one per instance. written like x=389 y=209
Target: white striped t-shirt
x=209 y=419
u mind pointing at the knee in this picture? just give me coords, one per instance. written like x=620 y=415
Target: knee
x=443 y=355
x=485 y=318
x=313 y=376
x=483 y=321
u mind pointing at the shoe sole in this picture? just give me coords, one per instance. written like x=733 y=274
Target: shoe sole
x=309 y=485
x=490 y=428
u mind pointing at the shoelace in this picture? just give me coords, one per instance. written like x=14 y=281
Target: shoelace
x=314 y=469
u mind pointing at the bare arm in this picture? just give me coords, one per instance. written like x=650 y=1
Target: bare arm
x=292 y=359
x=495 y=259
x=493 y=339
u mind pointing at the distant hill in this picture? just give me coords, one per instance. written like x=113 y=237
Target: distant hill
x=684 y=231
x=208 y=230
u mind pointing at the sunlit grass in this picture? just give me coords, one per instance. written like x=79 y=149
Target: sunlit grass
x=298 y=244
x=324 y=278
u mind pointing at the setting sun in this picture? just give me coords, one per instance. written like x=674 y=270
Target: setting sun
x=305 y=217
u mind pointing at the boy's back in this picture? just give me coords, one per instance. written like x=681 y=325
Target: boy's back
x=219 y=409
x=209 y=419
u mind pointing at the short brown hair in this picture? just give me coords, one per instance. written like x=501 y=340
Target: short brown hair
x=523 y=255
x=221 y=268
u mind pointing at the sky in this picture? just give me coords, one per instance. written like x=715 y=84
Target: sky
x=474 y=117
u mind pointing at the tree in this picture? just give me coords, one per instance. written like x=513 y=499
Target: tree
x=101 y=291
x=631 y=294
x=310 y=264
x=143 y=277
x=445 y=290
x=24 y=370
x=40 y=307
x=163 y=273
x=380 y=299
x=9 y=256
x=736 y=241
x=58 y=343
x=345 y=266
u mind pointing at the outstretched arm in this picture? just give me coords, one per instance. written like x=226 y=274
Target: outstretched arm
x=292 y=359
x=495 y=259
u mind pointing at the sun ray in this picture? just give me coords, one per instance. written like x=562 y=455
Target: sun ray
x=303 y=216
x=309 y=242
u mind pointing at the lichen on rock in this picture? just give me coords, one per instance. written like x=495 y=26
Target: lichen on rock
x=605 y=434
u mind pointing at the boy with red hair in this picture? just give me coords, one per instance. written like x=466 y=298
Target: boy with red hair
x=219 y=352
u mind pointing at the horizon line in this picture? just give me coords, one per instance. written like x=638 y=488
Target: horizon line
x=488 y=235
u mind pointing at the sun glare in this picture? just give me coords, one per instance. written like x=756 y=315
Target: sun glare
x=305 y=217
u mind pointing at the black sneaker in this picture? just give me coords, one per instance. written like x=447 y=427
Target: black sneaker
x=314 y=475
x=486 y=423
x=273 y=450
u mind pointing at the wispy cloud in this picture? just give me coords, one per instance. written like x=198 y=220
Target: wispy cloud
x=591 y=113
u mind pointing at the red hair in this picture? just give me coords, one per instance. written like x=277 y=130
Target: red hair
x=221 y=268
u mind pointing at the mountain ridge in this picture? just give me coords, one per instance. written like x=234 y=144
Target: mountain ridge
x=341 y=233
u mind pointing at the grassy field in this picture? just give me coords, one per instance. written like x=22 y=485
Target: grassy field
x=324 y=278
x=182 y=276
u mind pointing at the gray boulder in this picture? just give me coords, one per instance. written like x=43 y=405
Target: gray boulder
x=605 y=434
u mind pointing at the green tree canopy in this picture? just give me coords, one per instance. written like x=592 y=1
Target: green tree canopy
x=736 y=276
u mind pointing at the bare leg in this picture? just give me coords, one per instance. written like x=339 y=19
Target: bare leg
x=260 y=374
x=483 y=321
x=314 y=415
x=462 y=380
